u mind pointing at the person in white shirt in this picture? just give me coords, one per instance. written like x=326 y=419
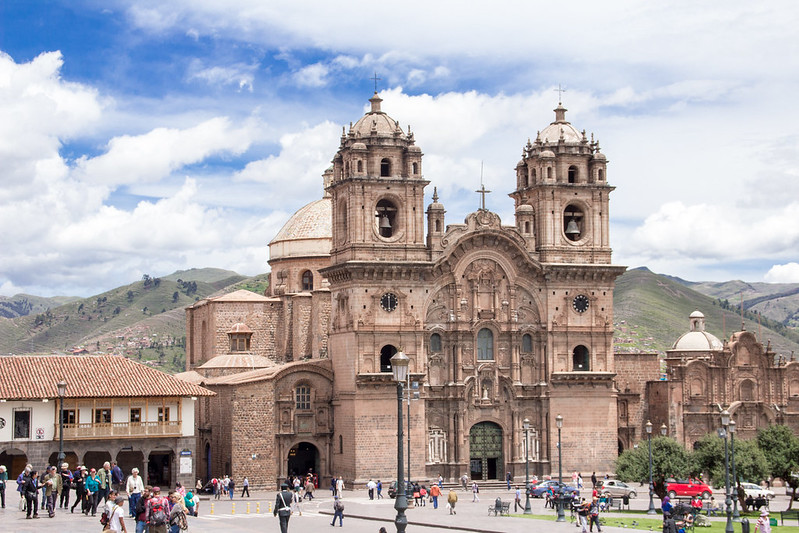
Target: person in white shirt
x=135 y=488
x=115 y=521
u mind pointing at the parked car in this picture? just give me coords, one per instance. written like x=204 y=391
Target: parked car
x=392 y=489
x=687 y=487
x=616 y=489
x=559 y=488
x=756 y=491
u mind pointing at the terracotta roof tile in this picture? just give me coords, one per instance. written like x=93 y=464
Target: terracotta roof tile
x=87 y=376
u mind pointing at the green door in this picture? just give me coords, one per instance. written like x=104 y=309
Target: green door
x=485 y=451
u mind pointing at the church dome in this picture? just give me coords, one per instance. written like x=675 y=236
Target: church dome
x=560 y=129
x=546 y=154
x=599 y=156
x=375 y=122
x=359 y=146
x=698 y=338
x=308 y=232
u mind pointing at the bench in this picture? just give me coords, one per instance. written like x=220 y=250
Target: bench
x=500 y=508
x=789 y=515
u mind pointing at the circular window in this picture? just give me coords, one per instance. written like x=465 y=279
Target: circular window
x=580 y=303
x=389 y=301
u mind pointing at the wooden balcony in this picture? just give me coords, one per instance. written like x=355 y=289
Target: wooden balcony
x=171 y=428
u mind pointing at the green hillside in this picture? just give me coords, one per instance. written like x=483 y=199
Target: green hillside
x=26 y=304
x=651 y=312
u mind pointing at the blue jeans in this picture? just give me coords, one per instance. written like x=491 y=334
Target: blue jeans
x=134 y=500
x=174 y=529
x=340 y=515
x=141 y=526
x=435 y=502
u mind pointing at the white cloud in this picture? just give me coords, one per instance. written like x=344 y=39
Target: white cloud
x=312 y=76
x=296 y=171
x=239 y=75
x=156 y=154
x=787 y=273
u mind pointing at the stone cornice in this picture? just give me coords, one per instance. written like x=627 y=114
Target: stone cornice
x=569 y=272
x=376 y=271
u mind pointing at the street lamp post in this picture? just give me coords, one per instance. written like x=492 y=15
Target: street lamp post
x=561 y=516
x=399 y=367
x=62 y=390
x=725 y=422
x=735 y=515
x=526 y=426
x=651 y=485
x=664 y=430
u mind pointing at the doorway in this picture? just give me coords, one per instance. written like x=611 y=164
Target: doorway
x=485 y=451
x=303 y=459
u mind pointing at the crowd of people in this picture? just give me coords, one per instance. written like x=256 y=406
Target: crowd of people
x=100 y=492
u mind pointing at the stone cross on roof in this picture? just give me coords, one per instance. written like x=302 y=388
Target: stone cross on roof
x=482 y=191
x=375 y=79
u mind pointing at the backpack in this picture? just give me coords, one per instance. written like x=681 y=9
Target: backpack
x=104 y=518
x=338 y=506
x=158 y=515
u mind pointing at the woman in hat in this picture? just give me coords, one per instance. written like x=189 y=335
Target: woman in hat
x=763 y=524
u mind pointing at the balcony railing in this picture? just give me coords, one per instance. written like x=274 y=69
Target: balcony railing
x=120 y=429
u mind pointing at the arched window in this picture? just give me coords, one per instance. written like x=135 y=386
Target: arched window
x=747 y=390
x=527 y=227
x=386 y=353
x=549 y=173
x=580 y=359
x=601 y=174
x=435 y=343
x=527 y=343
x=360 y=166
x=307 y=280
x=240 y=342
x=438 y=225
x=302 y=397
x=485 y=345
x=573 y=221
x=386 y=218
x=342 y=221
x=415 y=168
x=572 y=174
x=385 y=168
x=340 y=444
x=526 y=182
x=533 y=174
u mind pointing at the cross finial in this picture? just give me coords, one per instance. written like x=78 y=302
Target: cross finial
x=375 y=79
x=560 y=90
x=482 y=191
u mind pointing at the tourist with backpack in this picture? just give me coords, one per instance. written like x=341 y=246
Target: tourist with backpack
x=338 y=512
x=115 y=521
x=177 y=515
x=157 y=512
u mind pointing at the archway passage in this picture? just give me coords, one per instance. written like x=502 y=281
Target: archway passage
x=159 y=468
x=485 y=451
x=130 y=459
x=69 y=457
x=303 y=458
x=15 y=461
x=96 y=459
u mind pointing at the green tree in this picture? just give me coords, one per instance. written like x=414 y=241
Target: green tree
x=669 y=459
x=781 y=448
x=130 y=296
x=750 y=461
x=175 y=296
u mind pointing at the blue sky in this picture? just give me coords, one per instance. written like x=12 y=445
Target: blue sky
x=146 y=136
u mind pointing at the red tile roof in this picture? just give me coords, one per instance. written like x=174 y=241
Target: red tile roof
x=25 y=377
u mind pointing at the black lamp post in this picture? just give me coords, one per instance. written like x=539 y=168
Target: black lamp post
x=651 y=484
x=561 y=516
x=399 y=367
x=735 y=515
x=725 y=422
x=526 y=426
x=62 y=390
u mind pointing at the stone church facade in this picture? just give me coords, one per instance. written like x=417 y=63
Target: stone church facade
x=705 y=375
x=502 y=324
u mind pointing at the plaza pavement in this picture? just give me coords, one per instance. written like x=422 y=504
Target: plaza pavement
x=360 y=516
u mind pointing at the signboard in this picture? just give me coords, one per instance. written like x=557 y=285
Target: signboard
x=185 y=465
x=185 y=453
x=39 y=433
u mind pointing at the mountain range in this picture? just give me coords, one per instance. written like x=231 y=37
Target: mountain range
x=145 y=320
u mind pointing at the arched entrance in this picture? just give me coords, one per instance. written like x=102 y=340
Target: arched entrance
x=15 y=461
x=485 y=451
x=69 y=457
x=159 y=467
x=96 y=459
x=130 y=459
x=207 y=461
x=303 y=458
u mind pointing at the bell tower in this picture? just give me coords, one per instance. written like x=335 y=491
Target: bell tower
x=377 y=192
x=379 y=263
x=562 y=176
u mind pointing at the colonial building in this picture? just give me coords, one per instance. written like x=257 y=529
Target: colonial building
x=705 y=375
x=502 y=323
x=114 y=409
